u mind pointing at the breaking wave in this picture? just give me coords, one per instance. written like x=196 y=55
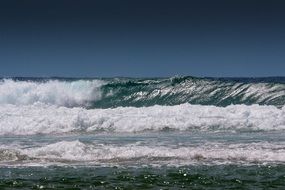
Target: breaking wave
x=92 y=121
x=52 y=92
x=116 y=92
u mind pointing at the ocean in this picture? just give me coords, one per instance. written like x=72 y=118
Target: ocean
x=142 y=133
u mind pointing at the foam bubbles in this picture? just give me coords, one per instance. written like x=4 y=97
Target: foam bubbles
x=49 y=119
x=52 y=92
x=212 y=153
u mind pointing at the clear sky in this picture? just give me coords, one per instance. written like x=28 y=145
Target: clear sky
x=142 y=38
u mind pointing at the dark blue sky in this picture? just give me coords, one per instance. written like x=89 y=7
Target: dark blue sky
x=142 y=38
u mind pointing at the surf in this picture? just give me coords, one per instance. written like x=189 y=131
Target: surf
x=138 y=92
x=50 y=119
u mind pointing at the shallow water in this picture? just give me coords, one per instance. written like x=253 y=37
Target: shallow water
x=187 y=177
x=73 y=134
x=171 y=148
x=164 y=160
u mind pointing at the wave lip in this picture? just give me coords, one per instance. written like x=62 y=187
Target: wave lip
x=204 y=91
x=48 y=119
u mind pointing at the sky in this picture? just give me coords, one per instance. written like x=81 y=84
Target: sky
x=142 y=38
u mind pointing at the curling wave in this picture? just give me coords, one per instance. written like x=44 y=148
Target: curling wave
x=116 y=92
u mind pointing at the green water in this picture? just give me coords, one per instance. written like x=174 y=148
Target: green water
x=139 y=92
x=188 y=177
x=53 y=136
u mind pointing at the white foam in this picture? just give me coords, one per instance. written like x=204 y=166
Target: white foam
x=54 y=92
x=46 y=119
x=76 y=151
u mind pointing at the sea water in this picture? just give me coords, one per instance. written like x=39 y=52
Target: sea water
x=160 y=133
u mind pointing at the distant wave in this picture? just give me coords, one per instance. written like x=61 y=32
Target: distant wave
x=45 y=119
x=110 y=93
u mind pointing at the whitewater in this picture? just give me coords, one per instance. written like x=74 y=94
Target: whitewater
x=155 y=125
x=126 y=92
x=46 y=119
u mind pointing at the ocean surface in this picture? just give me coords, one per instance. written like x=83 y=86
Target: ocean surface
x=142 y=133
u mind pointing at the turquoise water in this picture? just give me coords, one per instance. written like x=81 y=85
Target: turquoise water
x=138 y=92
x=121 y=133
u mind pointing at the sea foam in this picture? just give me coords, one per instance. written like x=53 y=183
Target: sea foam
x=213 y=153
x=50 y=119
x=52 y=92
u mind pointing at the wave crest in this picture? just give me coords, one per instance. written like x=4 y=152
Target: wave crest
x=116 y=92
x=52 y=92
